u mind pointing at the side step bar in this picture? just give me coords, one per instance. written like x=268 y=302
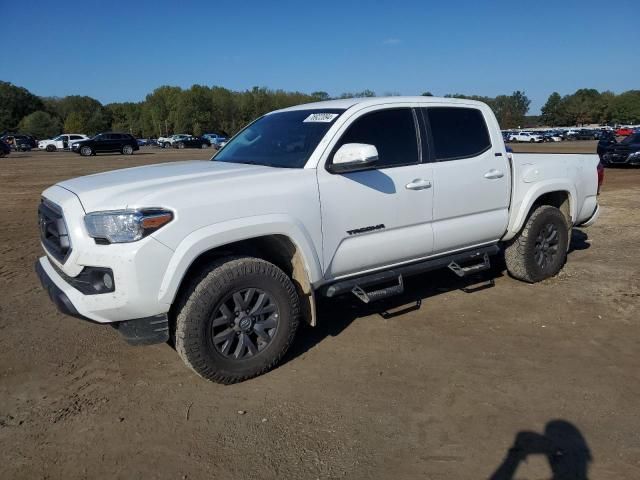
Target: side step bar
x=361 y=282
x=470 y=269
x=367 y=297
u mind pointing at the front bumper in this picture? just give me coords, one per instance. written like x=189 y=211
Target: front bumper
x=140 y=331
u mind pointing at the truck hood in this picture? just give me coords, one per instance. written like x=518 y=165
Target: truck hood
x=128 y=187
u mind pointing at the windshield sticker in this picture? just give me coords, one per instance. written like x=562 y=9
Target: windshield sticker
x=321 y=117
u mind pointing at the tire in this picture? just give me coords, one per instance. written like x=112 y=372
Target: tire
x=203 y=146
x=166 y=145
x=539 y=251
x=51 y=148
x=181 y=145
x=209 y=310
x=532 y=141
x=127 y=150
x=86 y=151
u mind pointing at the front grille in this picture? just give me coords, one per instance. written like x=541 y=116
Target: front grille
x=53 y=231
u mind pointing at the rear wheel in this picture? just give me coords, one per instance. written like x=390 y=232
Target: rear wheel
x=166 y=145
x=86 y=151
x=237 y=319
x=127 y=150
x=181 y=145
x=540 y=250
x=51 y=148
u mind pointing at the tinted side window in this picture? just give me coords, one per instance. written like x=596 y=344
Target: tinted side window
x=393 y=133
x=457 y=132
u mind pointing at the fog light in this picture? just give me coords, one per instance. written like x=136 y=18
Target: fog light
x=108 y=281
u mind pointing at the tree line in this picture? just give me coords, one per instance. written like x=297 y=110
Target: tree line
x=201 y=109
x=587 y=106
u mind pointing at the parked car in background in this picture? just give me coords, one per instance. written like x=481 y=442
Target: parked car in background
x=570 y=134
x=61 y=142
x=552 y=136
x=525 y=137
x=4 y=149
x=624 y=152
x=192 y=142
x=624 y=131
x=162 y=140
x=215 y=138
x=586 y=134
x=170 y=141
x=19 y=142
x=607 y=139
x=106 y=142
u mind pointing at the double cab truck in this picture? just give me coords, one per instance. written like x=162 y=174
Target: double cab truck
x=224 y=258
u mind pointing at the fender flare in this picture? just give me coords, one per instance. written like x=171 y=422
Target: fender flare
x=536 y=191
x=224 y=233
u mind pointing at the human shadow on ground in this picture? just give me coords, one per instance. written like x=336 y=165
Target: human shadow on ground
x=563 y=445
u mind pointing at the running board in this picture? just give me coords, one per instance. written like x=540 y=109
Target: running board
x=347 y=285
x=367 y=297
x=470 y=269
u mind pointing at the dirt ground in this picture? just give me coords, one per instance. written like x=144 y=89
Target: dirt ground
x=439 y=392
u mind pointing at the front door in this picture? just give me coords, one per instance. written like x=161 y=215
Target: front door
x=378 y=217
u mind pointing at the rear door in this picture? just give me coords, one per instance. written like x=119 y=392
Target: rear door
x=471 y=177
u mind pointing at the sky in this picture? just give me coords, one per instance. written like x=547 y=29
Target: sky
x=121 y=51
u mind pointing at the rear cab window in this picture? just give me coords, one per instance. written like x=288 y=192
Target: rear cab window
x=456 y=132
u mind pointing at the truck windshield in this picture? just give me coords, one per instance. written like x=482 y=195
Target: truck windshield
x=284 y=139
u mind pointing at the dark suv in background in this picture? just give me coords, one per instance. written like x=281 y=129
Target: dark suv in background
x=19 y=142
x=624 y=152
x=105 y=143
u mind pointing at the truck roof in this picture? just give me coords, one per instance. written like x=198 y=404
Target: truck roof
x=346 y=103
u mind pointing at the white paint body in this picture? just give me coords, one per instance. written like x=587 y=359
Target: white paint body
x=428 y=209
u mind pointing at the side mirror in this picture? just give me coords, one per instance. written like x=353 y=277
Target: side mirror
x=353 y=157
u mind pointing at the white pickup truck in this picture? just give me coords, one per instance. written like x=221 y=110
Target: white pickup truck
x=223 y=258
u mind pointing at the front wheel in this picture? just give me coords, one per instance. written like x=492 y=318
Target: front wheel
x=51 y=148
x=204 y=145
x=237 y=319
x=127 y=150
x=86 y=151
x=540 y=249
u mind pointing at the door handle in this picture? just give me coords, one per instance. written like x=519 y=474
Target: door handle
x=418 y=184
x=493 y=174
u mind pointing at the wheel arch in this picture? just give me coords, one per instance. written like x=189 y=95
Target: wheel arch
x=560 y=196
x=290 y=251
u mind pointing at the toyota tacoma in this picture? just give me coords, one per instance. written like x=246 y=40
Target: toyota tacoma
x=224 y=258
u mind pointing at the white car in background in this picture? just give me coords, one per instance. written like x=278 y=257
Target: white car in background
x=61 y=142
x=169 y=141
x=525 y=137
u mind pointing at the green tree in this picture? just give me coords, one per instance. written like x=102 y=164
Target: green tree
x=74 y=123
x=625 y=108
x=426 y=94
x=40 y=124
x=552 y=111
x=15 y=104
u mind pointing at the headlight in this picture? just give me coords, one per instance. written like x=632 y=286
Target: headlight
x=124 y=226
